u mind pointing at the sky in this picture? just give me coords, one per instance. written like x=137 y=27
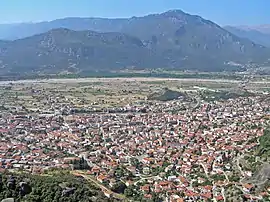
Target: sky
x=223 y=12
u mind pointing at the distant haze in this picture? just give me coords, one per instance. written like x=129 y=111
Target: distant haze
x=259 y=33
x=223 y=12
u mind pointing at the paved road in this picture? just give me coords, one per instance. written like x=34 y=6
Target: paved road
x=89 y=178
x=223 y=194
x=205 y=170
x=146 y=178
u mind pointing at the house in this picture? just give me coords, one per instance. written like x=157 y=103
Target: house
x=95 y=170
x=247 y=187
x=101 y=178
x=148 y=196
x=172 y=178
x=175 y=198
x=112 y=182
x=145 y=188
x=219 y=198
x=107 y=193
x=129 y=182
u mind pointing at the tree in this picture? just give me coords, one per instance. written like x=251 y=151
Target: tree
x=134 y=162
x=80 y=164
x=119 y=187
x=32 y=198
x=47 y=189
x=129 y=192
x=156 y=198
x=234 y=178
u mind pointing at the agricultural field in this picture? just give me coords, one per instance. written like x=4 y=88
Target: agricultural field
x=112 y=92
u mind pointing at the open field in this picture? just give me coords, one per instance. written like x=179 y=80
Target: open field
x=77 y=80
x=104 y=92
x=100 y=93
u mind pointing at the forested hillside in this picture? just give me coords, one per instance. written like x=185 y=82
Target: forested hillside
x=60 y=186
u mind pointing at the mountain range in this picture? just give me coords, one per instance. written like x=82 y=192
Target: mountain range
x=170 y=40
x=261 y=28
x=257 y=34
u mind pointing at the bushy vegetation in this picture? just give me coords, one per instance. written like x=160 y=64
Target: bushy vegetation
x=222 y=95
x=60 y=186
x=166 y=95
x=264 y=148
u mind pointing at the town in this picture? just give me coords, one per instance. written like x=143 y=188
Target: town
x=177 y=150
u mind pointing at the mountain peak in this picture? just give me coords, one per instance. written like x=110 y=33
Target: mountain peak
x=173 y=13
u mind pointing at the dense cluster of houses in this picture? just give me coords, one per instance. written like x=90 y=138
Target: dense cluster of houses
x=180 y=155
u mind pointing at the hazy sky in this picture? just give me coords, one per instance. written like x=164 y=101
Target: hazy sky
x=234 y=12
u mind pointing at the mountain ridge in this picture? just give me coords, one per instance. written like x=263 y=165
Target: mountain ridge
x=263 y=28
x=98 y=24
x=62 y=49
x=170 y=40
x=256 y=35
